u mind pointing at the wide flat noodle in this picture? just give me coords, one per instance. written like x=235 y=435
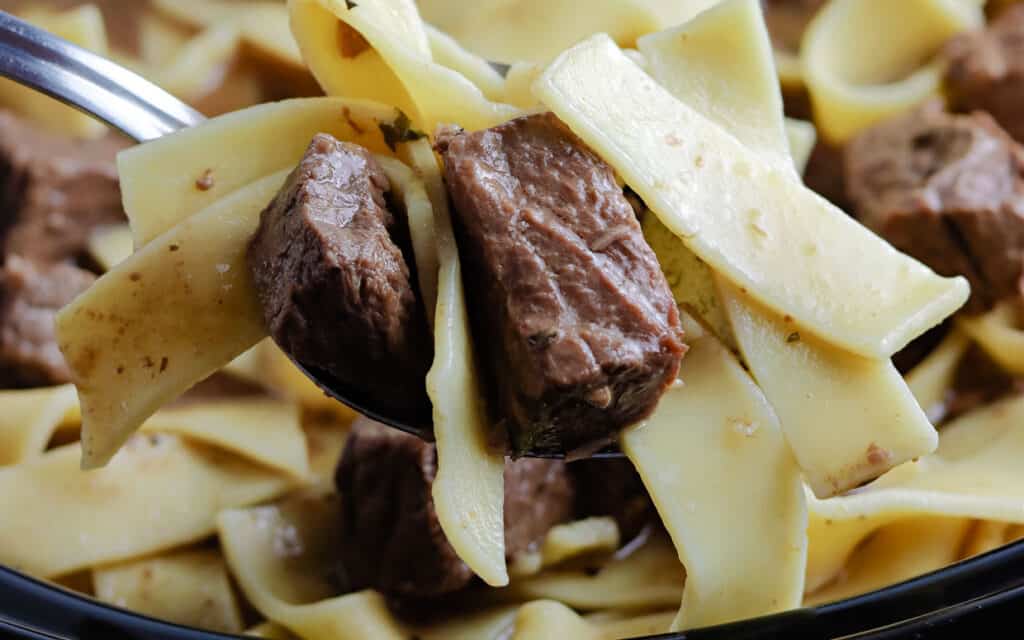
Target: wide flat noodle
x=378 y=50
x=195 y=68
x=550 y=619
x=189 y=588
x=862 y=59
x=263 y=25
x=537 y=30
x=128 y=361
x=785 y=244
x=874 y=422
x=447 y=52
x=745 y=99
x=579 y=538
x=896 y=553
x=282 y=555
x=110 y=246
x=649 y=577
x=159 y=179
x=999 y=333
x=847 y=418
x=264 y=430
x=272 y=631
x=802 y=136
x=727 y=488
x=975 y=473
x=931 y=380
x=984 y=536
x=82 y=26
x=29 y=419
x=159 y=492
x=545 y=619
x=468 y=490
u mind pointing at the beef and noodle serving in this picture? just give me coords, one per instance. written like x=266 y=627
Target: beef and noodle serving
x=772 y=252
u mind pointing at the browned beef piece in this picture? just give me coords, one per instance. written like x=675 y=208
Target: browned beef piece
x=787 y=20
x=336 y=290
x=391 y=538
x=54 y=191
x=948 y=190
x=577 y=328
x=978 y=382
x=824 y=173
x=612 y=488
x=30 y=296
x=986 y=71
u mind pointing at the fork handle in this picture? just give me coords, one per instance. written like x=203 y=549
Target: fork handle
x=88 y=82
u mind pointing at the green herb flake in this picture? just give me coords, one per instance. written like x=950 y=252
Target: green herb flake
x=399 y=131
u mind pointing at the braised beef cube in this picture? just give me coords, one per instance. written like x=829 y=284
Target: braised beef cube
x=576 y=326
x=948 y=190
x=336 y=290
x=612 y=487
x=30 y=296
x=985 y=71
x=54 y=191
x=824 y=173
x=787 y=20
x=391 y=538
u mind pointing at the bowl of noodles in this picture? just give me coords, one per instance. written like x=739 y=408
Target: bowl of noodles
x=770 y=252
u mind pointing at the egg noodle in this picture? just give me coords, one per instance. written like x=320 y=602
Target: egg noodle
x=198 y=510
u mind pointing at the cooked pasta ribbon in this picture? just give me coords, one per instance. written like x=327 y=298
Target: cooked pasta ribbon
x=82 y=26
x=537 y=30
x=876 y=422
x=802 y=136
x=786 y=245
x=649 y=577
x=268 y=428
x=165 y=181
x=448 y=52
x=931 y=380
x=848 y=419
x=263 y=25
x=379 y=50
x=128 y=361
x=973 y=474
x=468 y=490
x=862 y=59
x=189 y=588
x=109 y=246
x=162 y=489
x=897 y=552
x=195 y=68
x=743 y=99
x=999 y=333
x=726 y=487
x=281 y=555
x=29 y=419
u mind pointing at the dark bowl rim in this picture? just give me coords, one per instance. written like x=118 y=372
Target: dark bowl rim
x=31 y=609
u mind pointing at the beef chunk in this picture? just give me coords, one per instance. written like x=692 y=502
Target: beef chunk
x=54 y=191
x=391 y=538
x=978 y=382
x=824 y=173
x=336 y=290
x=30 y=296
x=612 y=488
x=577 y=328
x=788 y=19
x=986 y=71
x=947 y=189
